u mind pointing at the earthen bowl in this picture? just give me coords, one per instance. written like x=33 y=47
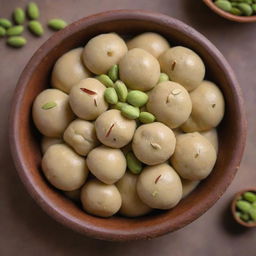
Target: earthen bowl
x=233 y=209
x=25 y=140
x=227 y=15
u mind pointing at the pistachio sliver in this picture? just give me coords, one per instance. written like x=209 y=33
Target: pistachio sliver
x=49 y=105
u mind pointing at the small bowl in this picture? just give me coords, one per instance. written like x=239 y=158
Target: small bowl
x=25 y=140
x=233 y=209
x=228 y=15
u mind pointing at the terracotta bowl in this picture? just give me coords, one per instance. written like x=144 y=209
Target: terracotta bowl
x=233 y=209
x=228 y=15
x=25 y=140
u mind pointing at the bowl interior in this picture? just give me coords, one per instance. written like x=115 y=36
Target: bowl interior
x=25 y=139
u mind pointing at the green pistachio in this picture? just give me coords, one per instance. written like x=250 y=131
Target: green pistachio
x=119 y=105
x=243 y=206
x=224 y=5
x=110 y=96
x=130 y=112
x=250 y=197
x=19 y=16
x=163 y=77
x=146 y=117
x=133 y=164
x=104 y=79
x=16 y=41
x=36 y=28
x=246 y=9
x=121 y=90
x=5 y=23
x=235 y=11
x=15 y=31
x=33 y=11
x=113 y=73
x=252 y=213
x=57 y=24
x=245 y=217
x=2 y=31
x=254 y=8
x=137 y=98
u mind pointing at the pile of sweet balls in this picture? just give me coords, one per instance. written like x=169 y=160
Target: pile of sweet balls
x=119 y=135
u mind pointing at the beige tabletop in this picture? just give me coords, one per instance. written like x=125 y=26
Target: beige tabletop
x=27 y=230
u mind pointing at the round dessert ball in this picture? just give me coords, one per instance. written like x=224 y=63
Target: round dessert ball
x=207 y=108
x=52 y=113
x=81 y=136
x=106 y=164
x=212 y=136
x=64 y=168
x=188 y=186
x=74 y=195
x=132 y=206
x=87 y=99
x=69 y=70
x=153 y=143
x=183 y=66
x=153 y=43
x=47 y=142
x=170 y=103
x=103 y=51
x=100 y=199
x=159 y=186
x=194 y=156
x=113 y=129
x=139 y=70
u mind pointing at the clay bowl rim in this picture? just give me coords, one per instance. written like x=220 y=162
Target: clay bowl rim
x=229 y=16
x=152 y=230
x=233 y=208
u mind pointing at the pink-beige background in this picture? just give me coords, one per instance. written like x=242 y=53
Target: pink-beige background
x=27 y=230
